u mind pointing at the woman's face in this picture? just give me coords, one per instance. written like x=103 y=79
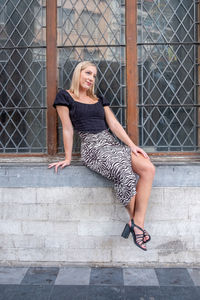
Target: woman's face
x=87 y=77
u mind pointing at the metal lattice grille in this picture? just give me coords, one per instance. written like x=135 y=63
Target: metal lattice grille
x=167 y=59
x=22 y=76
x=93 y=30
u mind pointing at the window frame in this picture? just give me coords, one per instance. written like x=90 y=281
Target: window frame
x=132 y=82
x=131 y=77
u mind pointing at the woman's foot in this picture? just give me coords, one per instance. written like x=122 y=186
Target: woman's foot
x=147 y=236
x=138 y=235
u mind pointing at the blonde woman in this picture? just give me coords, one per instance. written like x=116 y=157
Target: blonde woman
x=80 y=109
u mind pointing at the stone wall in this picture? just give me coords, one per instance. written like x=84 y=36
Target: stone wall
x=73 y=217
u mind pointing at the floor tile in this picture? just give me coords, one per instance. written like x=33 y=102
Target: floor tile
x=195 y=275
x=106 y=276
x=73 y=276
x=10 y=275
x=137 y=277
x=25 y=292
x=2 y=291
x=179 y=293
x=142 y=293
x=198 y=290
x=105 y=293
x=173 y=277
x=61 y=292
x=41 y=276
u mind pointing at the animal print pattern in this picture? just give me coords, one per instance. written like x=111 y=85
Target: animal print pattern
x=102 y=153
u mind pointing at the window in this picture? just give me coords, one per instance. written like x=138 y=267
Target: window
x=22 y=80
x=88 y=23
x=168 y=81
x=155 y=42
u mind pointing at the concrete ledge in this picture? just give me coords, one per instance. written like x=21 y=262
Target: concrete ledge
x=73 y=218
x=38 y=175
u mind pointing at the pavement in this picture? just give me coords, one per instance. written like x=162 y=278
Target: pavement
x=99 y=283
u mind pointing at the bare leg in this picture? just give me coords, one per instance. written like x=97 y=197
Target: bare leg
x=146 y=171
x=138 y=205
x=131 y=207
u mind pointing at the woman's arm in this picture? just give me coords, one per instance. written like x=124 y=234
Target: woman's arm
x=67 y=128
x=119 y=131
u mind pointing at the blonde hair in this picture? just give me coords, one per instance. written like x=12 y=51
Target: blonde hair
x=74 y=88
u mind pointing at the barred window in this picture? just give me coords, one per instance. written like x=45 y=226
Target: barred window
x=147 y=56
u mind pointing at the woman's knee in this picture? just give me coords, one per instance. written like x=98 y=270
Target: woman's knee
x=152 y=169
x=147 y=169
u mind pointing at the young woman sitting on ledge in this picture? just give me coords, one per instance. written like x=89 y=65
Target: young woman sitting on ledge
x=80 y=109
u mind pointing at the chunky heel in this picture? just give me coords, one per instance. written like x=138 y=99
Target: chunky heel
x=126 y=231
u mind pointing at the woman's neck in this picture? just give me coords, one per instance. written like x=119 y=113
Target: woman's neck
x=82 y=93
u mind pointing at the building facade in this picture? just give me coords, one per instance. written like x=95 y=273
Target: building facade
x=147 y=55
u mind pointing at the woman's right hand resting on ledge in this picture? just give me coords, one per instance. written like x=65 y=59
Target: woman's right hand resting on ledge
x=61 y=164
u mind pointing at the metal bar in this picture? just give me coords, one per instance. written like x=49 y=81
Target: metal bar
x=168 y=105
x=168 y=43
x=51 y=76
x=23 y=155
x=22 y=47
x=25 y=107
x=91 y=46
x=198 y=77
x=132 y=69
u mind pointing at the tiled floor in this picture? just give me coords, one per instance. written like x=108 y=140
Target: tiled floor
x=85 y=283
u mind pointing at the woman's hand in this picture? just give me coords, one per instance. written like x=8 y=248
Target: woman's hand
x=61 y=164
x=137 y=150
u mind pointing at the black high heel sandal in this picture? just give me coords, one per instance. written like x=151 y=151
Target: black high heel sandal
x=137 y=238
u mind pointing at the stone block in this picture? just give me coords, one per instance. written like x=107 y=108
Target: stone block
x=121 y=213
x=195 y=275
x=177 y=194
x=26 y=211
x=97 y=195
x=80 y=212
x=191 y=194
x=10 y=227
x=133 y=255
x=182 y=257
x=140 y=277
x=73 y=276
x=99 y=228
x=101 y=212
x=21 y=241
x=63 y=255
x=46 y=228
x=12 y=275
x=56 y=195
x=77 y=242
x=167 y=211
x=59 y=212
x=172 y=243
x=172 y=228
x=88 y=255
x=156 y=195
x=18 y=195
x=75 y=195
x=8 y=254
x=27 y=241
x=194 y=213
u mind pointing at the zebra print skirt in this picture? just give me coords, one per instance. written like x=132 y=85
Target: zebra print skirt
x=102 y=153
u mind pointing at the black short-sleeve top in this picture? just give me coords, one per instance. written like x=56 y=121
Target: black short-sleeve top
x=84 y=117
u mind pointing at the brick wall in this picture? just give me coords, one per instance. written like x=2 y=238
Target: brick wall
x=73 y=217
